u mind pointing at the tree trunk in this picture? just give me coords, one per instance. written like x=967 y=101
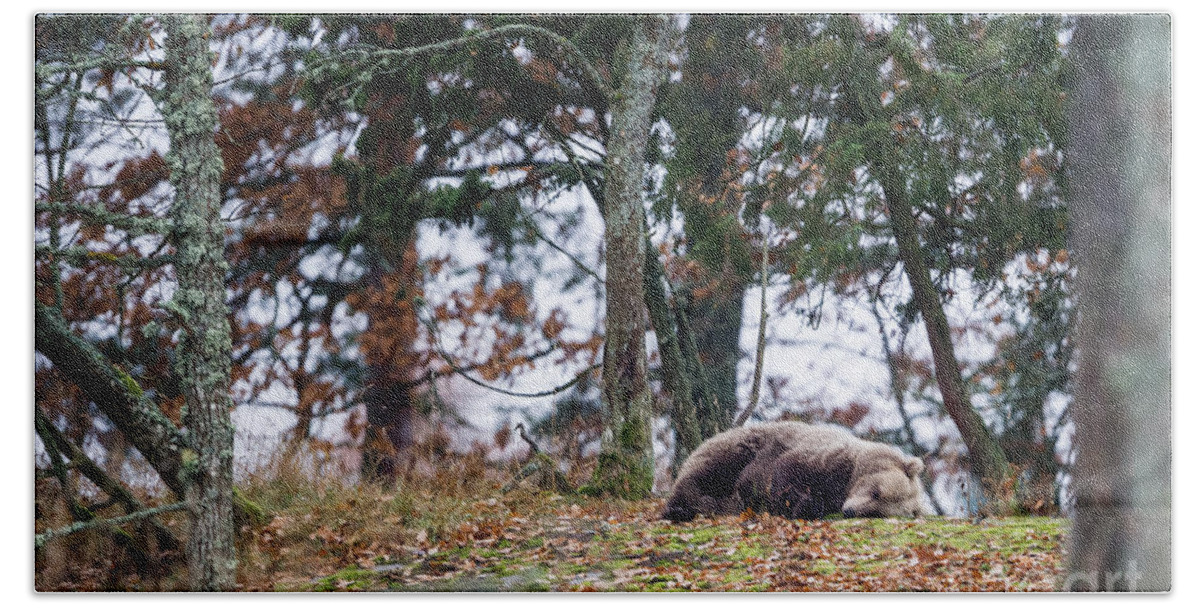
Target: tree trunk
x=1120 y=192
x=986 y=458
x=203 y=358
x=390 y=426
x=389 y=397
x=683 y=373
x=717 y=337
x=706 y=113
x=675 y=369
x=760 y=348
x=626 y=465
x=705 y=397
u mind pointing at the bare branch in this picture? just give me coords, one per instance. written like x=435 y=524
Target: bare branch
x=41 y=539
x=518 y=28
x=133 y=224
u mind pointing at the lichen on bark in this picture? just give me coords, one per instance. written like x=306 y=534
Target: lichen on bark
x=203 y=360
x=626 y=465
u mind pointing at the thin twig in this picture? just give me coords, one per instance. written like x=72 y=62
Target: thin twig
x=762 y=333
x=437 y=347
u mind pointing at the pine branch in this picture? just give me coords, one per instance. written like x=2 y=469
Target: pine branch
x=45 y=70
x=81 y=256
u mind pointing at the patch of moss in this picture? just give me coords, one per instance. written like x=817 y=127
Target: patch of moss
x=130 y=384
x=823 y=567
x=701 y=536
x=501 y=569
x=737 y=576
x=748 y=550
x=527 y=580
x=577 y=568
x=1007 y=536
x=352 y=578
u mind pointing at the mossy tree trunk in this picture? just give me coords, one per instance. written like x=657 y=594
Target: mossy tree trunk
x=705 y=111
x=1119 y=194
x=683 y=373
x=203 y=357
x=113 y=391
x=718 y=321
x=626 y=466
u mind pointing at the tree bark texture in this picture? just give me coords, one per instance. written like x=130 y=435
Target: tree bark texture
x=717 y=322
x=1120 y=192
x=626 y=465
x=675 y=371
x=986 y=458
x=203 y=356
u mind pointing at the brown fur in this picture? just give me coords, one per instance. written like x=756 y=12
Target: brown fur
x=796 y=470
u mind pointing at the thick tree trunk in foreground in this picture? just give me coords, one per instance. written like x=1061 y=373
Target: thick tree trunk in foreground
x=986 y=458
x=626 y=466
x=1120 y=192
x=203 y=361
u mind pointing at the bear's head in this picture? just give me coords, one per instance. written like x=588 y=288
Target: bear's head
x=885 y=483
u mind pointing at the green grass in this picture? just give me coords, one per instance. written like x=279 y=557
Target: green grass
x=425 y=538
x=729 y=554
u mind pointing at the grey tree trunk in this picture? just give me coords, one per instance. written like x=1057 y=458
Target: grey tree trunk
x=626 y=465
x=1120 y=192
x=203 y=357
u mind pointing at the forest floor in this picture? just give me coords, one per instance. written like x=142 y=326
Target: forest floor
x=532 y=540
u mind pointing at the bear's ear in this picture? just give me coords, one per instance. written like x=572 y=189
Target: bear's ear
x=913 y=466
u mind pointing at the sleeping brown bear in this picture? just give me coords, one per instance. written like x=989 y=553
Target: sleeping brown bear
x=796 y=470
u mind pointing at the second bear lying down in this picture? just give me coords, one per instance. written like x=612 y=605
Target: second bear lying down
x=796 y=470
